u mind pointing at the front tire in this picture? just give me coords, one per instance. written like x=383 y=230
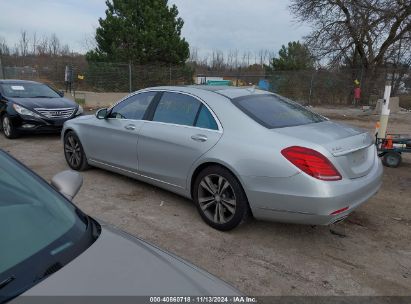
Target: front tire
x=74 y=152
x=220 y=199
x=8 y=129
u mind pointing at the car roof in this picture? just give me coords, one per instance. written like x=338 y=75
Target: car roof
x=226 y=91
x=12 y=81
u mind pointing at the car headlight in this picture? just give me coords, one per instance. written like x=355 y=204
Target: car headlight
x=79 y=110
x=24 y=111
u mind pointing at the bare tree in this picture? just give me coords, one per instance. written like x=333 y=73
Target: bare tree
x=34 y=44
x=15 y=50
x=368 y=28
x=23 y=43
x=54 y=45
x=264 y=57
x=193 y=55
x=43 y=46
x=359 y=33
x=89 y=40
x=399 y=62
x=233 y=59
x=236 y=59
x=246 y=58
x=204 y=61
x=65 y=50
x=217 y=60
x=4 y=49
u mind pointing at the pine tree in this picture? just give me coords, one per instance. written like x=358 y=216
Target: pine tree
x=295 y=56
x=140 y=31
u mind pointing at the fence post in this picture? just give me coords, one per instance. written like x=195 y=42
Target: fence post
x=129 y=77
x=1 y=70
x=73 y=80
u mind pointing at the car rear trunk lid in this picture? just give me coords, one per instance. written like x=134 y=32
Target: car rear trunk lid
x=351 y=148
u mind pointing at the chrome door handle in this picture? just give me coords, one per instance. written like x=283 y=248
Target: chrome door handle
x=199 y=137
x=130 y=127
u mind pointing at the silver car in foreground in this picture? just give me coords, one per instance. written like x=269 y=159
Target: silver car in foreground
x=234 y=151
x=51 y=248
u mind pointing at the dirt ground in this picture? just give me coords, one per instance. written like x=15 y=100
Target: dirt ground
x=370 y=254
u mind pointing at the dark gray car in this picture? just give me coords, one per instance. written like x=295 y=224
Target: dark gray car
x=51 y=248
x=32 y=107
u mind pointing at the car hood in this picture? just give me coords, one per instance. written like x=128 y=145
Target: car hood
x=120 y=264
x=47 y=103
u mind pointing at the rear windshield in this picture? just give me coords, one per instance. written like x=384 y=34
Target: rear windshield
x=273 y=111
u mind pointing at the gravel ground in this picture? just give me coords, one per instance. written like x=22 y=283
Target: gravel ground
x=369 y=253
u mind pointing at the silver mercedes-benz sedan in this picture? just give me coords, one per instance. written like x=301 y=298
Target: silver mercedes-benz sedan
x=234 y=151
x=49 y=247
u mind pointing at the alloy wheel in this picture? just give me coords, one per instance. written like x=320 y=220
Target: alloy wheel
x=6 y=126
x=217 y=199
x=73 y=151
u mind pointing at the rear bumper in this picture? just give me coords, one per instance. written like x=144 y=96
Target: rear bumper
x=302 y=199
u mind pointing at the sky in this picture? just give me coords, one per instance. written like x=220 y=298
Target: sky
x=246 y=25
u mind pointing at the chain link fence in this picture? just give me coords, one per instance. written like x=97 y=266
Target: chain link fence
x=326 y=87
x=102 y=77
x=314 y=87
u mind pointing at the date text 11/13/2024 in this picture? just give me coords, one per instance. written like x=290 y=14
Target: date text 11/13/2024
x=203 y=299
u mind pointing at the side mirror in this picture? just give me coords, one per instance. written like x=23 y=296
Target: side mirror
x=61 y=93
x=102 y=114
x=67 y=183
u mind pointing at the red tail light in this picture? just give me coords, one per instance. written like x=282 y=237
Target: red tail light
x=312 y=162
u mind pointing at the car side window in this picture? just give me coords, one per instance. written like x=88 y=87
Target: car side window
x=177 y=108
x=133 y=107
x=206 y=120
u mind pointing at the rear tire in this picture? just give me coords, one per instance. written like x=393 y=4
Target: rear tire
x=8 y=129
x=220 y=198
x=74 y=152
x=391 y=159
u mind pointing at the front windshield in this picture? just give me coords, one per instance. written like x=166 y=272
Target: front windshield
x=32 y=217
x=28 y=90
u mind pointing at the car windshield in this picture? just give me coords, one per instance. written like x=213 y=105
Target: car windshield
x=38 y=227
x=28 y=90
x=273 y=111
